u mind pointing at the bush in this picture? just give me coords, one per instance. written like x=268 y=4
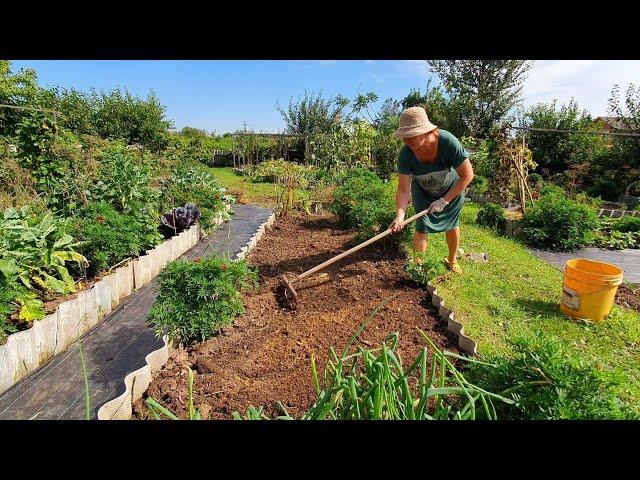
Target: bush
x=363 y=201
x=558 y=223
x=547 y=382
x=551 y=189
x=192 y=183
x=110 y=236
x=274 y=171
x=604 y=188
x=197 y=298
x=535 y=181
x=479 y=185
x=626 y=224
x=125 y=179
x=492 y=215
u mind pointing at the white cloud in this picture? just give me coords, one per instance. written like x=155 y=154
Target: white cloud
x=588 y=81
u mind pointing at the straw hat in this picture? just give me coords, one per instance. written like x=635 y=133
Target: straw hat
x=414 y=121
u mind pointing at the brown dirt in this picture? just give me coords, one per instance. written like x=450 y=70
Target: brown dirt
x=265 y=356
x=628 y=296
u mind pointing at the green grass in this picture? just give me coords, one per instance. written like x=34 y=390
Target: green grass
x=515 y=293
x=261 y=194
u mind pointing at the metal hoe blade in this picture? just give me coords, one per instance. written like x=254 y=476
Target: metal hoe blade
x=290 y=294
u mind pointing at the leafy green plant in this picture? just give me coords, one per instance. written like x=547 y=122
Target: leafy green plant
x=424 y=267
x=483 y=157
x=479 y=185
x=9 y=291
x=547 y=381
x=585 y=199
x=192 y=183
x=492 y=215
x=626 y=224
x=558 y=223
x=110 y=236
x=34 y=249
x=197 y=298
x=346 y=145
x=614 y=240
x=124 y=180
x=363 y=201
x=274 y=170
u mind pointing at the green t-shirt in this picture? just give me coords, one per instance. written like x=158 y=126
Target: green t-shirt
x=433 y=180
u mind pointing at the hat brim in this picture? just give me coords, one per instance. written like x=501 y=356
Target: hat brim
x=408 y=132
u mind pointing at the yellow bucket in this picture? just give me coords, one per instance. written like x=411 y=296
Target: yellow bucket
x=589 y=288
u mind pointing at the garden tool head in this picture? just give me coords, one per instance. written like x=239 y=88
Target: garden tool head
x=290 y=294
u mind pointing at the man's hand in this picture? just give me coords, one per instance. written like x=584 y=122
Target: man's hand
x=438 y=206
x=396 y=225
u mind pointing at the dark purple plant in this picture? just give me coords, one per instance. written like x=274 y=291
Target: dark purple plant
x=179 y=219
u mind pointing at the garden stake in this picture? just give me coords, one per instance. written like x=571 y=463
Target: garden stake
x=290 y=294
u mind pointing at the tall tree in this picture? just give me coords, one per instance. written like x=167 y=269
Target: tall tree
x=312 y=114
x=488 y=89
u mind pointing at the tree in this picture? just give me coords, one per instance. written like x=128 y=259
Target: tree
x=488 y=89
x=620 y=168
x=559 y=151
x=121 y=115
x=445 y=112
x=19 y=89
x=193 y=132
x=311 y=115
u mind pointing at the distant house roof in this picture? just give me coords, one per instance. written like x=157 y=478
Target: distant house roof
x=614 y=123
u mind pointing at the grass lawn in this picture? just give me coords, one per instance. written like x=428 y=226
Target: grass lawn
x=515 y=292
x=261 y=194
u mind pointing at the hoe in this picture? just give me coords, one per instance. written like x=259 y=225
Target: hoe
x=291 y=296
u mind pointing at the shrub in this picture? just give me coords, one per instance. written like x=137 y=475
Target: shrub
x=275 y=170
x=492 y=215
x=366 y=203
x=547 y=382
x=551 y=189
x=626 y=224
x=558 y=223
x=197 y=298
x=192 y=183
x=479 y=184
x=587 y=200
x=124 y=179
x=110 y=236
x=605 y=188
x=535 y=181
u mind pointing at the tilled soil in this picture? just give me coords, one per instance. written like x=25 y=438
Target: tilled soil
x=628 y=296
x=265 y=356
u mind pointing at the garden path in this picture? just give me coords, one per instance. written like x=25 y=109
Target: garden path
x=116 y=346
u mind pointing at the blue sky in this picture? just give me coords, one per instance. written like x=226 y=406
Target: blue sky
x=219 y=95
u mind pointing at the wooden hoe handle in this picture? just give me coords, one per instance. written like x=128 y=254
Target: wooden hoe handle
x=358 y=247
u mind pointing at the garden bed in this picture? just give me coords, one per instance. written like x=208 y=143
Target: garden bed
x=265 y=357
x=628 y=296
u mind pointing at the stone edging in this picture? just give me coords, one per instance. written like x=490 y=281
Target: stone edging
x=465 y=343
x=27 y=350
x=137 y=382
